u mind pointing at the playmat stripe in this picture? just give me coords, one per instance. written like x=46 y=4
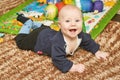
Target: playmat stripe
x=102 y=24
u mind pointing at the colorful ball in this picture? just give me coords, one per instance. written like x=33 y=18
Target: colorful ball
x=86 y=5
x=51 y=12
x=98 y=5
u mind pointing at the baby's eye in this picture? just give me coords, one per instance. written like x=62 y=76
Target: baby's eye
x=77 y=20
x=67 y=20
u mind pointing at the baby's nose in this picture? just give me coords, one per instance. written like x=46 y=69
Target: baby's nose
x=73 y=23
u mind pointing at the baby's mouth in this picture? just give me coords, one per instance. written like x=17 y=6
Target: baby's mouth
x=73 y=30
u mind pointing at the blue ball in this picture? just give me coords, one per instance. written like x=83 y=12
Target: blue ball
x=86 y=5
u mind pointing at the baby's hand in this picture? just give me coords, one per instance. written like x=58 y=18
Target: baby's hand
x=78 y=68
x=101 y=54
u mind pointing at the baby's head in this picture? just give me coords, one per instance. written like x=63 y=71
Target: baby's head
x=70 y=21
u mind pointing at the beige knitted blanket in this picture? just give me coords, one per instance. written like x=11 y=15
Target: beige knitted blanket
x=16 y=64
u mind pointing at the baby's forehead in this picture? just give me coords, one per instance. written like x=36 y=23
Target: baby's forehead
x=70 y=13
x=69 y=10
x=66 y=9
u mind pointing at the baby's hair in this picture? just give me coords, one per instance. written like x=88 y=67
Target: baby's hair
x=68 y=7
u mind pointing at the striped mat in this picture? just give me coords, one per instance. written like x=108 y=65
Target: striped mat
x=16 y=64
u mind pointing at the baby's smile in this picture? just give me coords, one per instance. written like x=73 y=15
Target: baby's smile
x=73 y=30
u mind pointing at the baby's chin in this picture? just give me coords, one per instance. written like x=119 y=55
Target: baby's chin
x=72 y=37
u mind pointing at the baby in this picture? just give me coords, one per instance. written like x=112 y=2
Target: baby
x=59 y=44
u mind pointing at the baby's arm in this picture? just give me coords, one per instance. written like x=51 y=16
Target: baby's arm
x=101 y=54
x=77 y=68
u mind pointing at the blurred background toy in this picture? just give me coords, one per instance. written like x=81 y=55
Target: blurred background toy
x=1 y=35
x=78 y=3
x=42 y=1
x=1 y=40
x=68 y=1
x=109 y=3
x=31 y=14
x=98 y=5
x=53 y=1
x=86 y=5
x=90 y=5
x=35 y=6
x=51 y=12
x=59 y=5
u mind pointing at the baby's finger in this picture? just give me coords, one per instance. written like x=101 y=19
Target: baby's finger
x=81 y=70
x=105 y=57
x=98 y=57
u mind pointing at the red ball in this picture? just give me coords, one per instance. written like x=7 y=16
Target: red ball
x=59 y=5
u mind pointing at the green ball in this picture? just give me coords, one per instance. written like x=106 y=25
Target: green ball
x=51 y=12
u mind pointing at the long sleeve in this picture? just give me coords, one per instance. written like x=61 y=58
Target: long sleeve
x=59 y=59
x=88 y=43
x=58 y=53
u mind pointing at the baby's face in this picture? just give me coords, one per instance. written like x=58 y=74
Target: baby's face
x=70 y=23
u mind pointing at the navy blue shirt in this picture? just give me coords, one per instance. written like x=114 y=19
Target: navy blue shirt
x=52 y=43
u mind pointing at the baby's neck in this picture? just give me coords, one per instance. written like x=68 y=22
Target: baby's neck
x=70 y=39
x=71 y=44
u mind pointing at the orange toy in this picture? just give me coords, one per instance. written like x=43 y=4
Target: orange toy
x=42 y=1
x=109 y=2
x=1 y=40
